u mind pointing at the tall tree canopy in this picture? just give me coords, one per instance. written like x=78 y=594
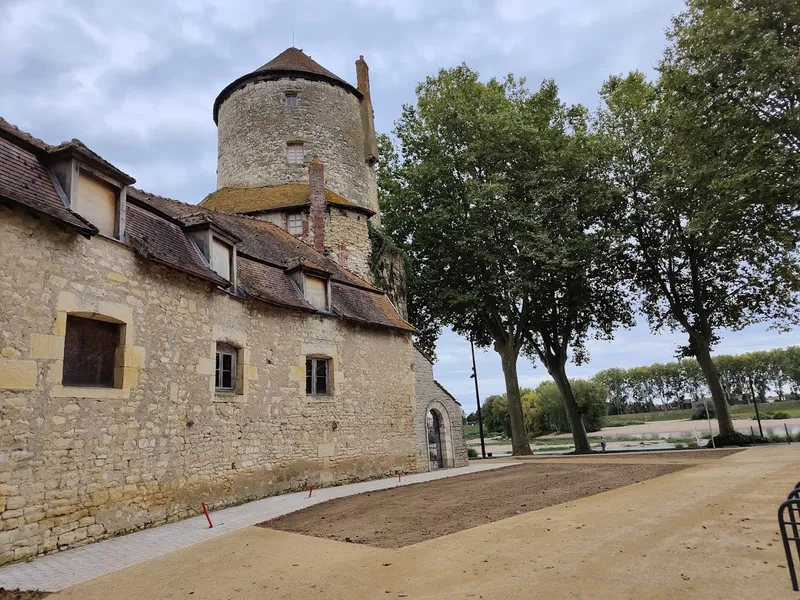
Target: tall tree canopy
x=707 y=159
x=501 y=196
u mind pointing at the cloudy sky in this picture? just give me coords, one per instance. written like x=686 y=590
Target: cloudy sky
x=136 y=81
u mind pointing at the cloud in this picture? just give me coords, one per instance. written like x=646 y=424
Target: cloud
x=136 y=81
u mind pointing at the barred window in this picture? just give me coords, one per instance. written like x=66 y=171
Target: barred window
x=291 y=99
x=317 y=376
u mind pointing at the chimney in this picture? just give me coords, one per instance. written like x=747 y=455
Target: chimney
x=367 y=115
x=316 y=185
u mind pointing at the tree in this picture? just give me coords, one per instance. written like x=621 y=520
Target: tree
x=457 y=221
x=550 y=414
x=390 y=265
x=699 y=269
x=502 y=204
x=572 y=273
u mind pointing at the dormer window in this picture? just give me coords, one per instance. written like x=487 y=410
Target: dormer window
x=221 y=258
x=218 y=246
x=290 y=99
x=295 y=153
x=316 y=292
x=97 y=203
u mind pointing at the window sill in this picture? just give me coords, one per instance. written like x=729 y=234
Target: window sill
x=60 y=391
x=229 y=397
x=320 y=398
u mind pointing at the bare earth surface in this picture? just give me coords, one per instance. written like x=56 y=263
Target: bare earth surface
x=407 y=515
x=707 y=531
x=681 y=455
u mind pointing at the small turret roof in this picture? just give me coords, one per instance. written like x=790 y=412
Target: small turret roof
x=292 y=62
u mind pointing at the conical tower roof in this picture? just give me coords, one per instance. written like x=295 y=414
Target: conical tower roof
x=292 y=62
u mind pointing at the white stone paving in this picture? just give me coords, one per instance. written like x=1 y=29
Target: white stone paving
x=60 y=570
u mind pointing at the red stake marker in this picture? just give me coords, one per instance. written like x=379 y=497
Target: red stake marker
x=205 y=510
x=398 y=477
x=311 y=489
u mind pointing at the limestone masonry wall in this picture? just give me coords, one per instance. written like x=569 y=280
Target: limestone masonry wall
x=347 y=238
x=80 y=464
x=255 y=124
x=431 y=396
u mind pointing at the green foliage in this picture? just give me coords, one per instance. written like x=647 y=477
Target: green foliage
x=495 y=416
x=781 y=415
x=707 y=161
x=472 y=452
x=665 y=386
x=545 y=412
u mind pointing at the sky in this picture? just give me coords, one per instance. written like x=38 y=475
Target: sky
x=136 y=82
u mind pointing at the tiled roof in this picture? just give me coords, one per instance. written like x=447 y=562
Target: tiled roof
x=267 y=251
x=247 y=200
x=25 y=182
x=270 y=284
x=78 y=148
x=356 y=305
x=158 y=239
x=290 y=62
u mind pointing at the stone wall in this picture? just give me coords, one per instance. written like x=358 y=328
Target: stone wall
x=347 y=238
x=431 y=396
x=255 y=124
x=80 y=464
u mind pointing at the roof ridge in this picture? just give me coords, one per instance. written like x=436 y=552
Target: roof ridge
x=23 y=136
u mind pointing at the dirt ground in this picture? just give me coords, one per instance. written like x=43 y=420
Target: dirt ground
x=407 y=515
x=673 y=454
x=21 y=594
x=707 y=531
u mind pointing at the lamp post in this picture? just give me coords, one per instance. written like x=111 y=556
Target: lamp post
x=755 y=403
x=477 y=399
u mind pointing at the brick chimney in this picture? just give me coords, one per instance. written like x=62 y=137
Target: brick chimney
x=367 y=115
x=316 y=184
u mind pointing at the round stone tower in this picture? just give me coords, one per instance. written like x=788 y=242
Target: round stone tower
x=273 y=121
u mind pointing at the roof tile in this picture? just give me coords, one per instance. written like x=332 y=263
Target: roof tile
x=247 y=200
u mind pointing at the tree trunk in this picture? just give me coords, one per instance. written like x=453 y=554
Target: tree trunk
x=519 y=438
x=559 y=375
x=715 y=387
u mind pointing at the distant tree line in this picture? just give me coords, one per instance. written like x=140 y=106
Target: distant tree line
x=774 y=373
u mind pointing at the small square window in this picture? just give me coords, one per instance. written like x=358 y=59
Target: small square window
x=225 y=378
x=294 y=223
x=291 y=99
x=90 y=352
x=295 y=153
x=317 y=376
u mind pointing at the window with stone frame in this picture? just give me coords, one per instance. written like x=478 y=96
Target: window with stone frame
x=295 y=153
x=318 y=376
x=294 y=223
x=290 y=99
x=227 y=361
x=90 y=352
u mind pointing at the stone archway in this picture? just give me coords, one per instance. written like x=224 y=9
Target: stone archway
x=439 y=436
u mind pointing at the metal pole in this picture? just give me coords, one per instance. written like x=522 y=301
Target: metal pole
x=786 y=429
x=708 y=418
x=755 y=403
x=477 y=399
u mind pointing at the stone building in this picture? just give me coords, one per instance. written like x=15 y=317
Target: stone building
x=156 y=354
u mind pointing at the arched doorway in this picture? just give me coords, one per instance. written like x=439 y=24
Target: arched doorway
x=434 y=426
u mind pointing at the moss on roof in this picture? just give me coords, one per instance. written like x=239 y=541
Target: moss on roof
x=247 y=200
